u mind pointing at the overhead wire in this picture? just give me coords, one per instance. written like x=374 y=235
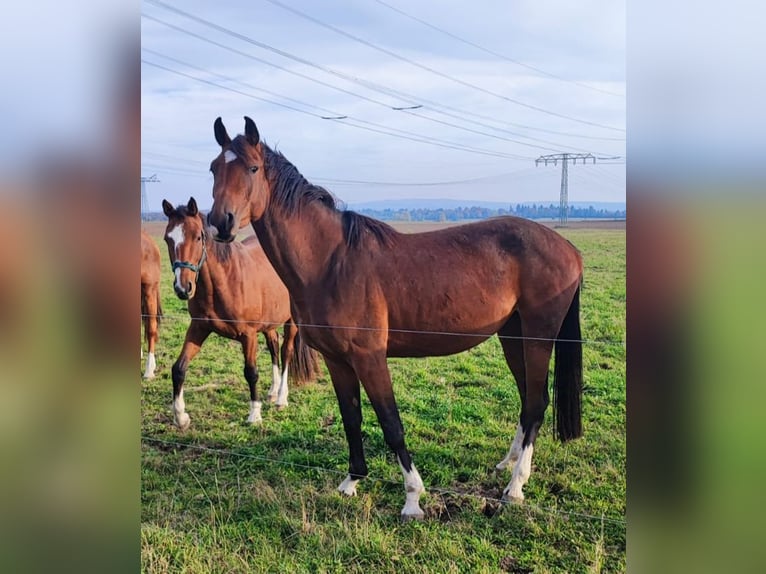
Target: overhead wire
x=424 y=67
x=494 y=53
x=408 y=98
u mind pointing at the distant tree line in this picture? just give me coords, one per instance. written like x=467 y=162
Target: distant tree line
x=532 y=211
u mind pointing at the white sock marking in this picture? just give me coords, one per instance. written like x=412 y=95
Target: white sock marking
x=229 y=156
x=255 y=413
x=348 y=486
x=413 y=485
x=151 y=365
x=283 y=391
x=514 y=451
x=180 y=418
x=520 y=475
x=274 y=390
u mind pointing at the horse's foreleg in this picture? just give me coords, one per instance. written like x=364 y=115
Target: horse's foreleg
x=250 y=352
x=346 y=385
x=272 y=343
x=537 y=356
x=373 y=371
x=288 y=348
x=192 y=343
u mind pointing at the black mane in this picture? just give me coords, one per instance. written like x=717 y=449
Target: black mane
x=290 y=191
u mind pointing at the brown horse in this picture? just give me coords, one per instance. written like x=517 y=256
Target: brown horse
x=151 y=308
x=366 y=292
x=232 y=291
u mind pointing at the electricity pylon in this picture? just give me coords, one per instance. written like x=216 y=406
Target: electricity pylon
x=564 y=158
x=144 y=203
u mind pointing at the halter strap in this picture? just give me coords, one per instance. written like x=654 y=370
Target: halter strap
x=196 y=268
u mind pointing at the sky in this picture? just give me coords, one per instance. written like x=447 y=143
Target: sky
x=499 y=85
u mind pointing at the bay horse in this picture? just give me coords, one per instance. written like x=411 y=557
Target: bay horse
x=151 y=306
x=233 y=291
x=362 y=292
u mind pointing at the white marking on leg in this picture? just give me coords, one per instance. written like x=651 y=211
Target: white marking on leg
x=274 y=390
x=180 y=418
x=514 y=451
x=151 y=365
x=413 y=485
x=348 y=486
x=283 y=391
x=255 y=413
x=520 y=475
x=229 y=156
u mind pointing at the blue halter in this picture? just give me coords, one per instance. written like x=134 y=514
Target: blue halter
x=192 y=266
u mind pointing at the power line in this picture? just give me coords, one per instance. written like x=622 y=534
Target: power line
x=434 y=71
x=493 y=53
x=383 y=130
x=391 y=92
x=336 y=115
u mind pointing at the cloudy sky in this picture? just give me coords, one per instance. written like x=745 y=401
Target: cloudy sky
x=507 y=83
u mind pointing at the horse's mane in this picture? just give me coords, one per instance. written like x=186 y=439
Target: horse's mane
x=290 y=191
x=221 y=251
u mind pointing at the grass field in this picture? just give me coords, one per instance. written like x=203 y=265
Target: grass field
x=228 y=497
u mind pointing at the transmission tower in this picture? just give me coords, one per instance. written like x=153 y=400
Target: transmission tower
x=564 y=158
x=144 y=203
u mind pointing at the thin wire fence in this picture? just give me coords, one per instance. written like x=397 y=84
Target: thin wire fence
x=402 y=331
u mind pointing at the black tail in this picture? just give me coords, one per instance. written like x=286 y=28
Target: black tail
x=159 y=307
x=304 y=364
x=567 y=374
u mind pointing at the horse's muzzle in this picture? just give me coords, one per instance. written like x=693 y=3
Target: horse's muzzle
x=225 y=229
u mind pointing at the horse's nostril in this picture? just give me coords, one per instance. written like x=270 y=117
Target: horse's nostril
x=230 y=220
x=189 y=287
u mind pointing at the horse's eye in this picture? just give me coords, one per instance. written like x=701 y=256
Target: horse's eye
x=253 y=168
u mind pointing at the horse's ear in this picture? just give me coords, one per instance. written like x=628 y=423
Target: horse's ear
x=251 y=132
x=167 y=207
x=192 y=207
x=221 y=136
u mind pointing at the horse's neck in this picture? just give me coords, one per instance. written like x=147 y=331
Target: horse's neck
x=210 y=271
x=300 y=246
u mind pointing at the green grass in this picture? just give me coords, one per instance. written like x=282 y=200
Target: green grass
x=263 y=499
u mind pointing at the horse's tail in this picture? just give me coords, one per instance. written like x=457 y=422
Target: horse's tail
x=304 y=364
x=144 y=312
x=159 y=307
x=567 y=374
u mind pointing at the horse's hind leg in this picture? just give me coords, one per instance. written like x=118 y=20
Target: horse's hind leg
x=150 y=327
x=374 y=374
x=250 y=352
x=288 y=348
x=272 y=344
x=513 y=349
x=538 y=346
x=195 y=336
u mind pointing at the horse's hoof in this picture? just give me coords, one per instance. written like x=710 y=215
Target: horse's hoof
x=271 y=398
x=149 y=376
x=419 y=515
x=254 y=421
x=281 y=407
x=508 y=499
x=183 y=422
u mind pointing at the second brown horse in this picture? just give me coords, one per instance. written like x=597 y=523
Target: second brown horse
x=233 y=291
